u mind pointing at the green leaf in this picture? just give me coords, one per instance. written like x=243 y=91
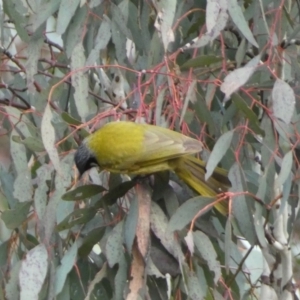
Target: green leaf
x=31 y=143
x=34 y=47
x=204 y=114
x=15 y=217
x=159 y=107
x=187 y=211
x=10 y=288
x=218 y=152
x=69 y=119
x=43 y=12
x=120 y=280
x=130 y=224
x=80 y=82
x=48 y=136
x=66 y=11
x=112 y=196
x=132 y=15
x=208 y=253
x=22 y=184
x=77 y=217
x=65 y=267
x=238 y=19
x=283 y=101
x=83 y=192
x=4 y=252
x=92 y=238
x=114 y=247
x=40 y=195
x=201 y=61
x=286 y=169
x=101 y=40
x=241 y=52
x=33 y=272
x=7 y=187
x=240 y=103
x=195 y=289
x=99 y=276
x=165 y=18
x=159 y=226
x=73 y=34
x=9 y=7
x=190 y=97
x=238 y=77
x=241 y=210
x=227 y=244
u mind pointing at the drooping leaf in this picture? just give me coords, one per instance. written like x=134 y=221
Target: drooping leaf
x=48 y=136
x=33 y=272
x=208 y=253
x=31 y=143
x=77 y=217
x=73 y=34
x=99 y=276
x=65 y=267
x=237 y=78
x=65 y=13
x=115 y=193
x=102 y=38
x=11 y=292
x=130 y=225
x=190 y=97
x=160 y=227
x=240 y=103
x=15 y=217
x=185 y=213
x=83 y=192
x=195 y=290
x=90 y=240
x=219 y=150
x=241 y=210
x=238 y=18
x=69 y=119
x=121 y=281
x=43 y=12
x=164 y=21
x=283 y=101
x=227 y=244
x=9 y=8
x=34 y=47
x=40 y=195
x=80 y=81
x=201 y=61
x=286 y=169
x=113 y=247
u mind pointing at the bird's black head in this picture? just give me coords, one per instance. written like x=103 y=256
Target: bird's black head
x=84 y=159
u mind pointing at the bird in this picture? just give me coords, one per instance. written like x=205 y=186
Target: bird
x=126 y=147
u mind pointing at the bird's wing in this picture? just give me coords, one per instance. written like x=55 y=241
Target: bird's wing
x=162 y=144
x=130 y=146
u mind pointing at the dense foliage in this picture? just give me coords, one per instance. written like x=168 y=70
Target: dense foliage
x=224 y=72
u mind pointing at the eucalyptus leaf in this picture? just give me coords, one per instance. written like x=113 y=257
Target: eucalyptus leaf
x=283 y=101
x=15 y=217
x=185 y=213
x=219 y=150
x=33 y=272
x=83 y=192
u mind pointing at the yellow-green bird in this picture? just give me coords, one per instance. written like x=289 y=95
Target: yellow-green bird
x=131 y=148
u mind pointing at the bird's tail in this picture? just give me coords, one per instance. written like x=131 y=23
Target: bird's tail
x=192 y=171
